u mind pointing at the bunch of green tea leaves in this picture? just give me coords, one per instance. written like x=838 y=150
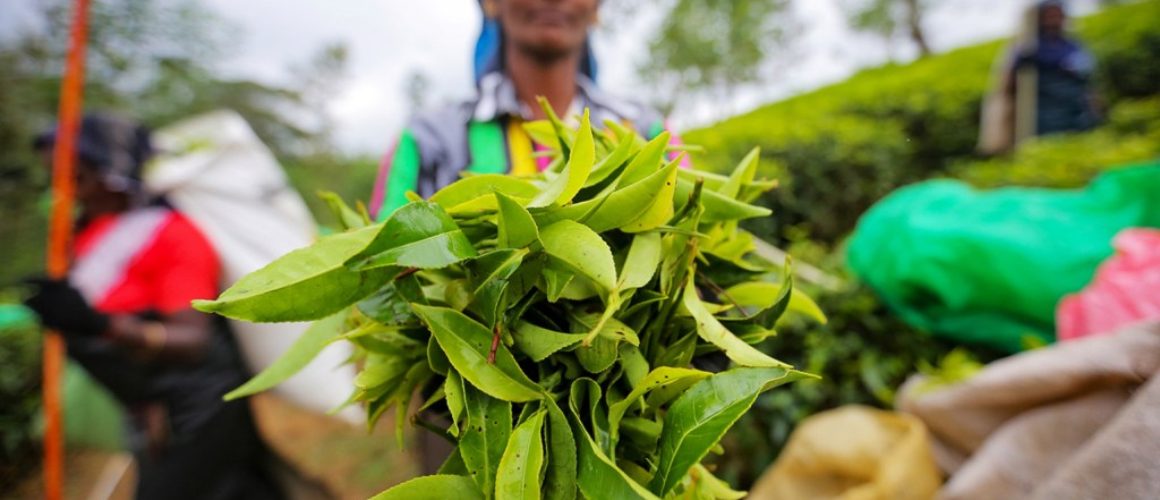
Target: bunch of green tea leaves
x=557 y=322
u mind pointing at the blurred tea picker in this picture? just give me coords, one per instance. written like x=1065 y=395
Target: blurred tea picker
x=216 y=170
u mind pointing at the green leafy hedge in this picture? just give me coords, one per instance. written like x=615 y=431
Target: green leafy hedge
x=1132 y=133
x=841 y=148
x=863 y=355
x=19 y=394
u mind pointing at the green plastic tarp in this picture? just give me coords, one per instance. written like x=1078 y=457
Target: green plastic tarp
x=989 y=267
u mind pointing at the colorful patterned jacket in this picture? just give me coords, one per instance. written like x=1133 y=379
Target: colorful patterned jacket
x=484 y=135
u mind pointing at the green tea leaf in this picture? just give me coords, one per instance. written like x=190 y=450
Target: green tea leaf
x=606 y=327
x=542 y=132
x=659 y=377
x=403 y=392
x=489 y=274
x=436 y=358
x=743 y=174
x=564 y=187
x=419 y=235
x=611 y=163
x=565 y=136
x=556 y=282
x=453 y=465
x=715 y=333
x=644 y=257
x=519 y=468
x=703 y=484
x=295 y=358
x=645 y=162
x=467 y=345
x=437 y=487
x=660 y=211
x=306 y=284
x=516 y=226
x=598 y=356
x=642 y=433
x=474 y=193
x=485 y=436
x=620 y=208
x=388 y=305
x=380 y=374
x=634 y=364
x=698 y=419
x=679 y=251
x=560 y=481
x=718 y=208
x=580 y=250
x=679 y=352
x=762 y=295
x=347 y=218
x=598 y=476
x=539 y=343
x=383 y=339
x=580 y=289
x=453 y=391
x=713 y=182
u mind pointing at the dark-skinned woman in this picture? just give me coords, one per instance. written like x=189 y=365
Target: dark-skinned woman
x=126 y=317
x=526 y=48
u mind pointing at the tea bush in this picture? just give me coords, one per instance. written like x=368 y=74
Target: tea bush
x=19 y=396
x=1071 y=160
x=841 y=148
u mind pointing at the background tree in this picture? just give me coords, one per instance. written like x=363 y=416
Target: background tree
x=154 y=60
x=888 y=18
x=319 y=79
x=418 y=90
x=713 y=45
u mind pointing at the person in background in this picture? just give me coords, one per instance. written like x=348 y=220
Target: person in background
x=126 y=317
x=1045 y=84
x=526 y=48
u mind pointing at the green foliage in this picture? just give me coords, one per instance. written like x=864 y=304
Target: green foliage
x=886 y=18
x=957 y=366
x=555 y=328
x=1071 y=160
x=1126 y=44
x=153 y=60
x=438 y=487
x=19 y=393
x=862 y=356
x=295 y=358
x=841 y=148
x=708 y=44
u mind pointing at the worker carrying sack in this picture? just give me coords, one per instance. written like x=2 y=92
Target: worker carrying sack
x=214 y=169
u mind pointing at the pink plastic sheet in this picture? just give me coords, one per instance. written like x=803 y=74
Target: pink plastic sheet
x=1125 y=290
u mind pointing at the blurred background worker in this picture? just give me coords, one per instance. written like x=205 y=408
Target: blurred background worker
x=126 y=316
x=1045 y=86
x=526 y=48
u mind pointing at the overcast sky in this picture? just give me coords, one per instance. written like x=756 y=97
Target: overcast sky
x=388 y=39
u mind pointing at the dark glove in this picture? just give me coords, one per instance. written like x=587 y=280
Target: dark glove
x=61 y=307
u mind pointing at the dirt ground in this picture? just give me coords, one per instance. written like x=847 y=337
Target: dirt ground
x=323 y=458
x=344 y=459
x=89 y=474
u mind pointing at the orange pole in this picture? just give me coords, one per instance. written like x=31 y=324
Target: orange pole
x=60 y=239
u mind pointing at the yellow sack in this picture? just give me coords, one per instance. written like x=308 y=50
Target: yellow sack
x=853 y=453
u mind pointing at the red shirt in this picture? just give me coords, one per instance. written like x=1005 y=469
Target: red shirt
x=176 y=266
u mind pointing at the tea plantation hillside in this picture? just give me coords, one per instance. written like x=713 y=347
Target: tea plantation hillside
x=840 y=148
